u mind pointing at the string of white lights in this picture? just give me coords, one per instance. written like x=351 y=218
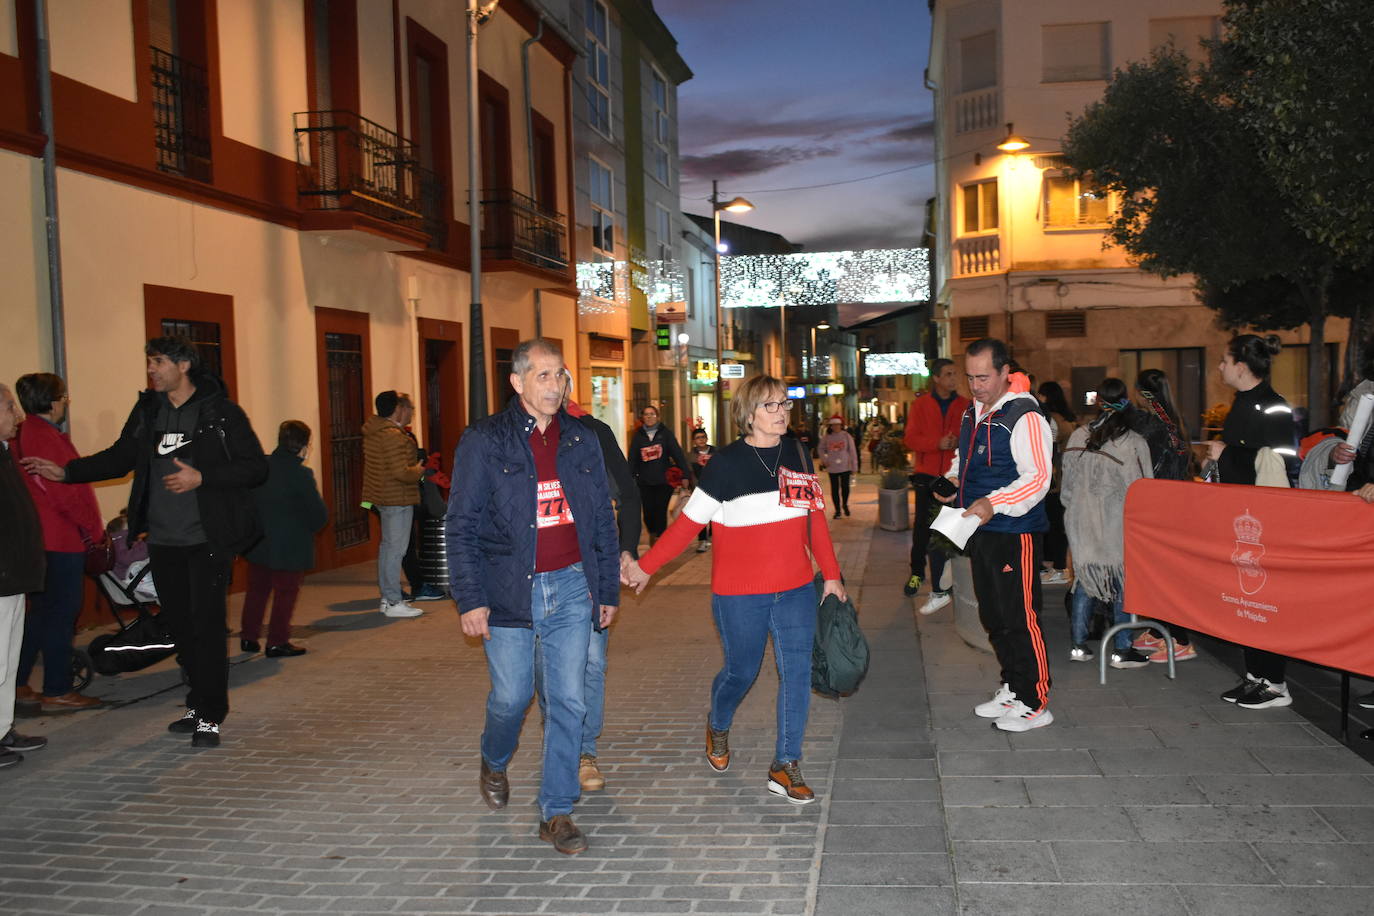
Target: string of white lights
x=825 y=277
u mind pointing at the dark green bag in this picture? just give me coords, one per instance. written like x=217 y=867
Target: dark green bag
x=839 y=657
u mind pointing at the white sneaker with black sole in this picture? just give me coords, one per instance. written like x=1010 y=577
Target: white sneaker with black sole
x=1265 y=695
x=1001 y=702
x=1021 y=718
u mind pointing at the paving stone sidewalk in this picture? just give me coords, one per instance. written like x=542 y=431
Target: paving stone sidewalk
x=347 y=784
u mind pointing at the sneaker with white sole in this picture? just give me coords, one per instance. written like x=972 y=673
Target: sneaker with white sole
x=936 y=601
x=399 y=609
x=206 y=734
x=1053 y=577
x=913 y=585
x=1365 y=701
x=1128 y=658
x=1081 y=653
x=1241 y=689
x=1147 y=642
x=1021 y=718
x=1264 y=695
x=997 y=707
x=1182 y=652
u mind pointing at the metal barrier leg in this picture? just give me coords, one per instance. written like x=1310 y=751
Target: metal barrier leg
x=1135 y=623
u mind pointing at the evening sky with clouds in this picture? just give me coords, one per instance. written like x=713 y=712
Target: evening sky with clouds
x=794 y=93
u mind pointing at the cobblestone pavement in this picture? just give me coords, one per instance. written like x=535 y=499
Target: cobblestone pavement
x=347 y=784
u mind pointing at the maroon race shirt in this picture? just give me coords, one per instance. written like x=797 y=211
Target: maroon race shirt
x=556 y=544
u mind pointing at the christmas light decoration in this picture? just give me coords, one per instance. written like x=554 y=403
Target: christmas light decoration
x=604 y=286
x=825 y=277
x=895 y=364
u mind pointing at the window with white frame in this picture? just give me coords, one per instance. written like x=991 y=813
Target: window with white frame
x=664 y=228
x=598 y=45
x=603 y=207
x=662 y=128
x=1074 y=202
x=1075 y=52
x=980 y=207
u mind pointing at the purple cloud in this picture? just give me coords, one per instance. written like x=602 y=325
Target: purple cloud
x=737 y=163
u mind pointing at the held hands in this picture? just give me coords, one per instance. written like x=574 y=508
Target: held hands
x=833 y=587
x=632 y=575
x=474 y=622
x=607 y=614
x=44 y=468
x=184 y=480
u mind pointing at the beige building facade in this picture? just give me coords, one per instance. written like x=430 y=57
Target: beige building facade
x=1020 y=242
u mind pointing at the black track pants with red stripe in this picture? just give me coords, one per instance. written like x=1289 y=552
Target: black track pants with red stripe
x=1006 y=580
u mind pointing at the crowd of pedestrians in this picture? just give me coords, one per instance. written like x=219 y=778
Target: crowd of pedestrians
x=542 y=527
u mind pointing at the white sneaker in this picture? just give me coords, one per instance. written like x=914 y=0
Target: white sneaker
x=997 y=707
x=934 y=603
x=400 y=609
x=1053 y=577
x=1021 y=718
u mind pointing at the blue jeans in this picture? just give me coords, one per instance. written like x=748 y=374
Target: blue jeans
x=593 y=689
x=52 y=622
x=396 y=525
x=745 y=622
x=561 y=611
x=1081 y=612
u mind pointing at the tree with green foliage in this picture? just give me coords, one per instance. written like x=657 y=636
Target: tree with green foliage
x=1191 y=150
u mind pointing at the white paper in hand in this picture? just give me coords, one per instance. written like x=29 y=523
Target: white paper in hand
x=1358 y=427
x=953 y=524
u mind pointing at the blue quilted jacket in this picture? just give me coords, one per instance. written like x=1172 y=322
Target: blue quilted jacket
x=491 y=507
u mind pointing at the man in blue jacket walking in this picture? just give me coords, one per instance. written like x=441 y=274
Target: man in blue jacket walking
x=534 y=565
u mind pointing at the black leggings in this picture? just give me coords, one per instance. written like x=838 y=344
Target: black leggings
x=839 y=490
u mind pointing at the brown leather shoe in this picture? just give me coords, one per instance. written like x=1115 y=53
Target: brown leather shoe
x=717 y=748
x=589 y=775
x=785 y=779
x=69 y=701
x=494 y=787
x=26 y=694
x=563 y=834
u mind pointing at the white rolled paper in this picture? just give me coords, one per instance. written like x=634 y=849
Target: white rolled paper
x=1363 y=411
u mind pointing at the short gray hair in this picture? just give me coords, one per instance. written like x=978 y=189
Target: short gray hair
x=520 y=359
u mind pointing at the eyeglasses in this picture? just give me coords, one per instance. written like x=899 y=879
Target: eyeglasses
x=775 y=406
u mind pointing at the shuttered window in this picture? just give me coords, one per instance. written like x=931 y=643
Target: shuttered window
x=973 y=327
x=1066 y=324
x=1072 y=53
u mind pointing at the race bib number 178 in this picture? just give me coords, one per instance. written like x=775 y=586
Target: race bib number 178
x=798 y=490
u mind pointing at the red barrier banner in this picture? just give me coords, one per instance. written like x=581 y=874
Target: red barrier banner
x=1290 y=571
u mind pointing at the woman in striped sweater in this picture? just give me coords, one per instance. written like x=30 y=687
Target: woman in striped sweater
x=763 y=500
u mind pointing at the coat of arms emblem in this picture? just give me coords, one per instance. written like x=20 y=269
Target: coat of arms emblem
x=1248 y=553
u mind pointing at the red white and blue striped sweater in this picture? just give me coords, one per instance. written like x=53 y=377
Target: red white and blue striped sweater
x=759 y=545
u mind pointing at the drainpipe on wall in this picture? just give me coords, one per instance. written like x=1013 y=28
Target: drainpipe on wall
x=477 y=349
x=44 y=65
x=529 y=147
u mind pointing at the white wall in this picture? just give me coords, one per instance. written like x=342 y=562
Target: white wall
x=262 y=70
x=24 y=343
x=93 y=43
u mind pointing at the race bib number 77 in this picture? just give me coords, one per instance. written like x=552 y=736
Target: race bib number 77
x=798 y=490
x=552 y=505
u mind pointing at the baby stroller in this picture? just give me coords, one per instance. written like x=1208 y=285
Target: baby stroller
x=140 y=641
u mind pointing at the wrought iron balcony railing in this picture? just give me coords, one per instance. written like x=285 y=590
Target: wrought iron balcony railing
x=346 y=162
x=181 y=116
x=516 y=227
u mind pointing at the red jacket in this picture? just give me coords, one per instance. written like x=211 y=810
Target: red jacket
x=65 y=510
x=924 y=429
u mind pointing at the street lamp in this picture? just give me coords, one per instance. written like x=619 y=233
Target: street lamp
x=737 y=205
x=1013 y=142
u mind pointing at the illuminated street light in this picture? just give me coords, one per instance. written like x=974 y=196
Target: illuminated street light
x=1013 y=143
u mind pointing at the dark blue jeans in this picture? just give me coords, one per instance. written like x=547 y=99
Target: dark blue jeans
x=52 y=622
x=745 y=622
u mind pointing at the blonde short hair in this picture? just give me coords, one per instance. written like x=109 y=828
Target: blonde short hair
x=755 y=390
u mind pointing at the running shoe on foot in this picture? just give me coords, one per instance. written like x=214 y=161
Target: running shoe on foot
x=1241 y=689
x=1265 y=695
x=1128 y=658
x=936 y=601
x=1081 y=653
x=1182 y=653
x=997 y=707
x=1021 y=718
x=913 y=585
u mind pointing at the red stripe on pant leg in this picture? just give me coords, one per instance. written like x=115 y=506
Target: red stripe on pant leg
x=1033 y=622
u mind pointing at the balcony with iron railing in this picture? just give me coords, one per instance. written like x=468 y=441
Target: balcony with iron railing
x=515 y=228
x=354 y=174
x=181 y=116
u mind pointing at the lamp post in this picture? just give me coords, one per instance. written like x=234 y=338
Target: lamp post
x=683 y=339
x=809 y=371
x=735 y=205
x=478 y=12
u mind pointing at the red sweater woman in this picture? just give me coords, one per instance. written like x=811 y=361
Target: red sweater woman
x=70 y=519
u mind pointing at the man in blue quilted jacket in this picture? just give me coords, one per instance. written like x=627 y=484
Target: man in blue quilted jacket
x=534 y=562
